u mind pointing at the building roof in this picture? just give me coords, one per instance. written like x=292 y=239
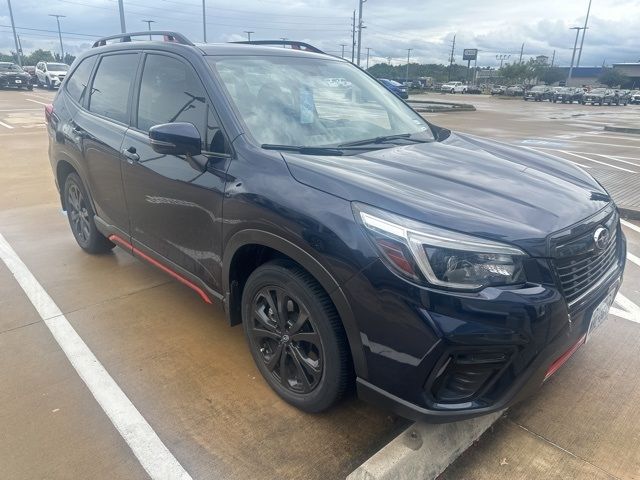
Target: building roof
x=584 y=72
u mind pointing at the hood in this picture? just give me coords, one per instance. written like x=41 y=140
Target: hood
x=464 y=183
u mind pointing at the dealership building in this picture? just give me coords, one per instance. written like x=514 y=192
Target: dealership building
x=631 y=70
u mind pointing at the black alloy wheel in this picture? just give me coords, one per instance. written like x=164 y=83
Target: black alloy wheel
x=288 y=342
x=80 y=214
x=295 y=336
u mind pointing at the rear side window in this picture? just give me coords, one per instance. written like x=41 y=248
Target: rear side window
x=76 y=85
x=171 y=92
x=111 y=86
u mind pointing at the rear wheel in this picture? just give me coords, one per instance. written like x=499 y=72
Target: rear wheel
x=295 y=336
x=80 y=214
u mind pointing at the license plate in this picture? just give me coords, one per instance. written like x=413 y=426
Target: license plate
x=18 y=81
x=601 y=312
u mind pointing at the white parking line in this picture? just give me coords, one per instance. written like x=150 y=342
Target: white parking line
x=616 y=159
x=571 y=161
x=580 y=154
x=6 y=125
x=631 y=257
x=152 y=454
x=630 y=225
x=631 y=311
x=36 y=101
x=597 y=161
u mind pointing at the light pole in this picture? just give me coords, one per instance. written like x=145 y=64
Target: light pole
x=284 y=39
x=58 y=17
x=573 y=57
x=149 y=22
x=204 y=21
x=584 y=31
x=408 y=56
x=360 y=27
x=15 y=35
x=502 y=57
x=248 y=32
x=123 y=26
x=368 y=49
x=342 y=45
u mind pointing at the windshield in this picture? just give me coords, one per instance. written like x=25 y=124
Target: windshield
x=10 y=67
x=58 y=67
x=294 y=101
x=598 y=90
x=538 y=89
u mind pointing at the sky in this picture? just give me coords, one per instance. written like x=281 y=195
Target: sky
x=495 y=27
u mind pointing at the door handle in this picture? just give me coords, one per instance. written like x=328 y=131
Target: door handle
x=130 y=154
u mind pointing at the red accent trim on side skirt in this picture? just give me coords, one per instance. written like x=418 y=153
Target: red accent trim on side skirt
x=555 y=366
x=123 y=243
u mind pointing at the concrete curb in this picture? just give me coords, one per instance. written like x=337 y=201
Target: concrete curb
x=610 y=128
x=629 y=213
x=432 y=106
x=423 y=451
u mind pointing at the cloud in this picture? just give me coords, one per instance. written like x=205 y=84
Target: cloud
x=392 y=26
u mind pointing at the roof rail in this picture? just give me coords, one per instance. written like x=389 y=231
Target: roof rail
x=126 y=37
x=282 y=43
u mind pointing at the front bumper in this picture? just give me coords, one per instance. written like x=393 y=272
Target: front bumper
x=407 y=333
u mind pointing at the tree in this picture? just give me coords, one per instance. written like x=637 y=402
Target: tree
x=551 y=75
x=38 y=56
x=516 y=72
x=613 y=78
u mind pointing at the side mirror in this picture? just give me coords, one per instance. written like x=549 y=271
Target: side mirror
x=179 y=138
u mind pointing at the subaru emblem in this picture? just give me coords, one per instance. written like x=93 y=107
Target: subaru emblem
x=601 y=237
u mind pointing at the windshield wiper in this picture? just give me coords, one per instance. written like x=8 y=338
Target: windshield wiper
x=304 y=149
x=383 y=139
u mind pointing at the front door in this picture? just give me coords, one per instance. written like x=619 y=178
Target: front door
x=175 y=206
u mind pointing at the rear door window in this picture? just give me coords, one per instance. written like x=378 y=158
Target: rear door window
x=76 y=84
x=111 y=86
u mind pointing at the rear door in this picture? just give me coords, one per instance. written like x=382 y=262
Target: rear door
x=102 y=126
x=175 y=205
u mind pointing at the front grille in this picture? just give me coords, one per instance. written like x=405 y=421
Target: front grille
x=580 y=264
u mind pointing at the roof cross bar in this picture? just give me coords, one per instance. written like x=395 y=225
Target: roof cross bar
x=281 y=43
x=126 y=37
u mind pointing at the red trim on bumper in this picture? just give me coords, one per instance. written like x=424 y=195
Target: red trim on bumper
x=555 y=366
x=124 y=244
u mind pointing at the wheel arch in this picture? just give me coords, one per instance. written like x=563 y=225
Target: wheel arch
x=248 y=249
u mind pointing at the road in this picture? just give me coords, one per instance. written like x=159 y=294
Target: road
x=191 y=378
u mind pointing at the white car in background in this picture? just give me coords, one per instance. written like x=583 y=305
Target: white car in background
x=454 y=87
x=51 y=74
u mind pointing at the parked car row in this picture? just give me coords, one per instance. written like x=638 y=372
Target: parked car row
x=12 y=75
x=44 y=74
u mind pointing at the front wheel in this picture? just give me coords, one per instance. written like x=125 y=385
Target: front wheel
x=80 y=214
x=295 y=336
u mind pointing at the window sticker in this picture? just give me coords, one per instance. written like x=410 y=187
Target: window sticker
x=306 y=106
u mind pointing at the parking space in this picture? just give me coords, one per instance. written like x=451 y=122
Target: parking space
x=193 y=380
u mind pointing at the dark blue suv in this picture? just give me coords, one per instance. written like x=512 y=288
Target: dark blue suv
x=445 y=275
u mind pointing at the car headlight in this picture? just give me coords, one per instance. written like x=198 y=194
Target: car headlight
x=435 y=256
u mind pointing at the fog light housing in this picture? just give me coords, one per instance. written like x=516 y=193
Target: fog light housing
x=466 y=374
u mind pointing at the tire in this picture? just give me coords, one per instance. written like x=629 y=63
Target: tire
x=49 y=85
x=316 y=373
x=30 y=88
x=80 y=214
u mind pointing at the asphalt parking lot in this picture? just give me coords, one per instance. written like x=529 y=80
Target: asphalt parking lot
x=192 y=377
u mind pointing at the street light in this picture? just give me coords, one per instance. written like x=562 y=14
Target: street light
x=360 y=27
x=58 y=17
x=502 y=57
x=15 y=35
x=408 y=56
x=249 y=32
x=573 y=57
x=149 y=22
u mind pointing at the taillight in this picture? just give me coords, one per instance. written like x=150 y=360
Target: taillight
x=48 y=112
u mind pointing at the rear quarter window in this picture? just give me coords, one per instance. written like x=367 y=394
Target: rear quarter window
x=111 y=86
x=76 y=84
